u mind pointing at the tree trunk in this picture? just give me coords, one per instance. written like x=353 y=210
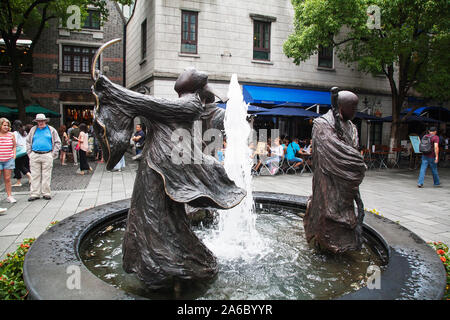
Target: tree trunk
x=18 y=90
x=11 y=50
x=397 y=103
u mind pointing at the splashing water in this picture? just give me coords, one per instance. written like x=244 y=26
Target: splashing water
x=236 y=236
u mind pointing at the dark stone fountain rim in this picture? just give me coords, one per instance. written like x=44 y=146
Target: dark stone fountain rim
x=414 y=270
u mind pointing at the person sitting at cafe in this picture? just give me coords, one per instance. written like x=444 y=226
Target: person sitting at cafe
x=292 y=149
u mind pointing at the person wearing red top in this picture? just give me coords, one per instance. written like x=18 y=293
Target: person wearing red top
x=430 y=159
x=7 y=155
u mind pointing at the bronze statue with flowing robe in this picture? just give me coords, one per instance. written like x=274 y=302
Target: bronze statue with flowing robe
x=159 y=245
x=331 y=221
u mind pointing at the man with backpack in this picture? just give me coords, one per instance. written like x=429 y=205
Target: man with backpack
x=429 y=146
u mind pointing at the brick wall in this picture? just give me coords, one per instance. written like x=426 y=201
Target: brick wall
x=49 y=82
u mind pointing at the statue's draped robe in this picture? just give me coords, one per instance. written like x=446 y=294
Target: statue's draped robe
x=331 y=221
x=159 y=245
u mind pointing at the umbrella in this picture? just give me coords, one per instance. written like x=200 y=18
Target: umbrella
x=5 y=111
x=35 y=109
x=413 y=118
x=289 y=112
x=368 y=117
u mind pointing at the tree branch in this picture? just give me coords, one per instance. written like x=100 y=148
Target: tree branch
x=41 y=27
x=27 y=13
x=335 y=44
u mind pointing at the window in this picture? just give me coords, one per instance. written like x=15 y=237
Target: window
x=261 y=40
x=78 y=59
x=144 y=39
x=92 y=20
x=189 y=27
x=326 y=57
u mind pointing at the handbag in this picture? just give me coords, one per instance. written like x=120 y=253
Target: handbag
x=20 y=151
x=77 y=147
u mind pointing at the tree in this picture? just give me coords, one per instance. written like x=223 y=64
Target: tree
x=406 y=40
x=30 y=17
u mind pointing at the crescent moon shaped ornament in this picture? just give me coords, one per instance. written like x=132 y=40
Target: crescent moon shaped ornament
x=94 y=74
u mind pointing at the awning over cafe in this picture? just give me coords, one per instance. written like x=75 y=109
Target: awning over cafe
x=277 y=95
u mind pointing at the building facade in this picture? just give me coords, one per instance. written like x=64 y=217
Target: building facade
x=62 y=60
x=244 y=37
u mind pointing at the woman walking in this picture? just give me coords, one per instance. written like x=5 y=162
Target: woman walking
x=22 y=160
x=7 y=155
x=64 y=144
x=84 y=145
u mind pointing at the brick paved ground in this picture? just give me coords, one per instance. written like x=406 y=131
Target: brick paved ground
x=392 y=192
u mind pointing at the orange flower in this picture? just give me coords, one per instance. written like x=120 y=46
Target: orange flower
x=440 y=251
x=443 y=259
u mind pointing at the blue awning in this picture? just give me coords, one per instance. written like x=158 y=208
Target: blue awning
x=289 y=112
x=251 y=108
x=421 y=110
x=275 y=95
x=368 y=117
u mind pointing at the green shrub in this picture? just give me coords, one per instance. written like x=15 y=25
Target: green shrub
x=12 y=286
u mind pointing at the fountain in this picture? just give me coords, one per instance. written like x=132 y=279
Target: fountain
x=267 y=257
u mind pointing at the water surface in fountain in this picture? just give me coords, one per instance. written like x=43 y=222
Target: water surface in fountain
x=292 y=270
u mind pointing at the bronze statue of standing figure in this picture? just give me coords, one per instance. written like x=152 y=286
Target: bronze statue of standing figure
x=332 y=221
x=159 y=245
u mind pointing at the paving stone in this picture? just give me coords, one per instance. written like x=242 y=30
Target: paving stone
x=393 y=193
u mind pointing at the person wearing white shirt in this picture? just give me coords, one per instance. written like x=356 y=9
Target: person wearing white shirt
x=276 y=155
x=22 y=161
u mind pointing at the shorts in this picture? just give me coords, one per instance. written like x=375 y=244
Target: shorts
x=65 y=148
x=295 y=159
x=9 y=164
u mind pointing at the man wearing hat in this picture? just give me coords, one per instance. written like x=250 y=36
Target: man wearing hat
x=430 y=159
x=43 y=144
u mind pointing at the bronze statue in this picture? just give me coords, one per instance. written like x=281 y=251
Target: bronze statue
x=331 y=222
x=159 y=245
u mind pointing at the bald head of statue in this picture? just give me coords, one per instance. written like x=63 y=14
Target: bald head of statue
x=347 y=103
x=193 y=81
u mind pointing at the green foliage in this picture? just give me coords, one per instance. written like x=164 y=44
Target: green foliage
x=443 y=253
x=414 y=37
x=12 y=286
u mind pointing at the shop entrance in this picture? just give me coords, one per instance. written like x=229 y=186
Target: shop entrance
x=78 y=113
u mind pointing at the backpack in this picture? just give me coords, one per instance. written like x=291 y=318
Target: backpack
x=425 y=145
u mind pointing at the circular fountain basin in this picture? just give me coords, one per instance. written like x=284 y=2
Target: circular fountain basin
x=59 y=264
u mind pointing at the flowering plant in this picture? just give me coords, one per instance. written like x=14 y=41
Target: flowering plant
x=12 y=286
x=442 y=251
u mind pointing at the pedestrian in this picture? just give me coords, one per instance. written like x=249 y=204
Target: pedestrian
x=7 y=155
x=83 y=148
x=43 y=145
x=139 y=139
x=74 y=132
x=430 y=158
x=64 y=144
x=22 y=160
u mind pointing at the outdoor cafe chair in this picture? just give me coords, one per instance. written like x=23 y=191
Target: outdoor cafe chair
x=368 y=159
x=306 y=166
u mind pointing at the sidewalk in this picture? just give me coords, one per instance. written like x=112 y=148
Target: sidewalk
x=392 y=192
